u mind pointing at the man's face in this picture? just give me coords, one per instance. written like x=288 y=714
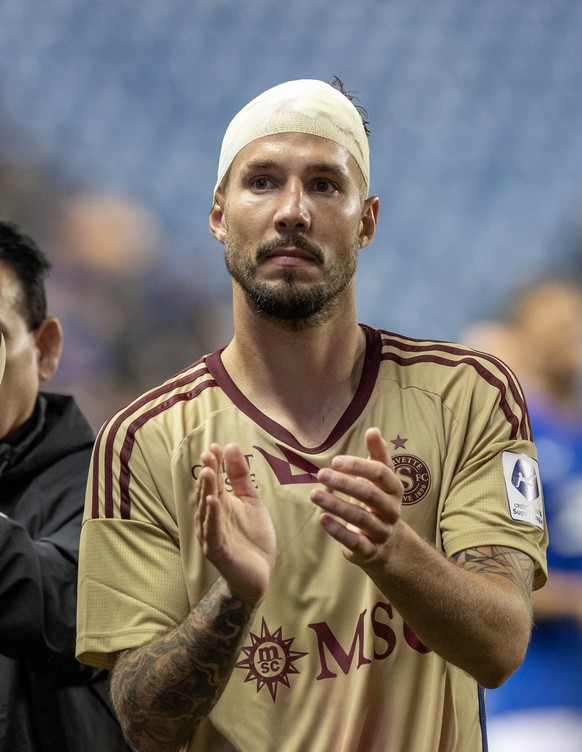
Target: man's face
x=20 y=385
x=554 y=325
x=292 y=225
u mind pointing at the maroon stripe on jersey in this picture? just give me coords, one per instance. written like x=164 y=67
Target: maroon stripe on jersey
x=450 y=348
x=126 y=450
x=112 y=433
x=512 y=419
x=95 y=478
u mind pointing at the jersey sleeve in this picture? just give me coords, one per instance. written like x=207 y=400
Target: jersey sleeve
x=495 y=495
x=131 y=586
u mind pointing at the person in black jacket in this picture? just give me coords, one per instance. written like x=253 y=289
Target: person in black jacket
x=48 y=701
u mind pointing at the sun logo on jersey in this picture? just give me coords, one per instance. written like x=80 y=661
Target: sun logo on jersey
x=269 y=660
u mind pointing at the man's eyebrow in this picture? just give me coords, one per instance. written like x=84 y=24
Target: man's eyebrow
x=266 y=164
x=329 y=168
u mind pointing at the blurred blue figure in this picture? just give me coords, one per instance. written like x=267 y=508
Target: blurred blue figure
x=540 y=708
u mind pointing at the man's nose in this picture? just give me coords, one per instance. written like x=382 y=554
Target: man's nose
x=292 y=213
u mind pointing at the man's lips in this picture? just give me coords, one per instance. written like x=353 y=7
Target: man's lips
x=291 y=251
x=291 y=254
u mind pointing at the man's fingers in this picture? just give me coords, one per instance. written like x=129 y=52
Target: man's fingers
x=212 y=531
x=359 y=517
x=365 y=480
x=238 y=472
x=377 y=447
x=353 y=540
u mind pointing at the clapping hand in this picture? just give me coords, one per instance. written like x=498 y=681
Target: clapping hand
x=234 y=529
x=372 y=514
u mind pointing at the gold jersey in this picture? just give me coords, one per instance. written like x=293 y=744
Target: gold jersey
x=328 y=664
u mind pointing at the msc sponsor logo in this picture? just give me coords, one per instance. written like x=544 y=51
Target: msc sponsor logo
x=269 y=660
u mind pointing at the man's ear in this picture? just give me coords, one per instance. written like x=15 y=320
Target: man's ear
x=49 y=343
x=369 y=220
x=216 y=218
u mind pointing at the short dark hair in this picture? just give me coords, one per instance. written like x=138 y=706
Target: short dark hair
x=338 y=84
x=26 y=260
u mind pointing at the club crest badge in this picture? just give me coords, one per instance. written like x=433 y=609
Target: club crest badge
x=414 y=475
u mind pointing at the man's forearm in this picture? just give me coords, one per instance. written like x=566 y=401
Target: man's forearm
x=474 y=612
x=162 y=690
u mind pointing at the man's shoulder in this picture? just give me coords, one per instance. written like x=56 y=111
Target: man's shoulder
x=426 y=358
x=168 y=409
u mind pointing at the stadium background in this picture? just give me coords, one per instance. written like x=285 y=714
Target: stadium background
x=475 y=114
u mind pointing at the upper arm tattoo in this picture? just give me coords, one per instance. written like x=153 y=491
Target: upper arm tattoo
x=510 y=563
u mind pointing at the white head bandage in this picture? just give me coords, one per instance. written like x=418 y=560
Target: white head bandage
x=304 y=106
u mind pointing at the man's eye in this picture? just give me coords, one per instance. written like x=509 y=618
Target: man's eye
x=323 y=186
x=261 y=183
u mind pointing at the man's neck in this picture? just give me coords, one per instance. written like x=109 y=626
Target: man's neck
x=304 y=379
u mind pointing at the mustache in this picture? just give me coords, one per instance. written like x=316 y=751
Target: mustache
x=296 y=240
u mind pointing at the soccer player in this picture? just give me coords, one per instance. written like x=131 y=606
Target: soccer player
x=323 y=536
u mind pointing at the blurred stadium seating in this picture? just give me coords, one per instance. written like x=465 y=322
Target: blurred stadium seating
x=475 y=115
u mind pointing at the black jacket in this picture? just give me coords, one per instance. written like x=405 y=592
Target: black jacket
x=48 y=701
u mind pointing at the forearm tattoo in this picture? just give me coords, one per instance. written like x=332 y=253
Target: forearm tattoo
x=516 y=566
x=162 y=690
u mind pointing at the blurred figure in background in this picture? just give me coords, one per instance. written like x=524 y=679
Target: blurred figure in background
x=540 y=708
x=48 y=701
x=127 y=321
x=104 y=248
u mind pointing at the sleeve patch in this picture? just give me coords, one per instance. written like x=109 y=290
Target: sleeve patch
x=524 y=488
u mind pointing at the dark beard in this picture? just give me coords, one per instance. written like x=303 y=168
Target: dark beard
x=300 y=306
